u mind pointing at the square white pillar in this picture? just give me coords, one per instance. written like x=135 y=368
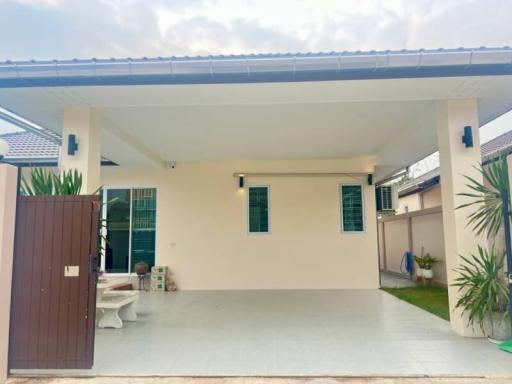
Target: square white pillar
x=85 y=123
x=456 y=160
x=8 y=185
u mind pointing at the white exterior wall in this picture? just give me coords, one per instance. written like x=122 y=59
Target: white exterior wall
x=202 y=232
x=86 y=124
x=456 y=161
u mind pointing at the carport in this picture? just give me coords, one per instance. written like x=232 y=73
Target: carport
x=300 y=295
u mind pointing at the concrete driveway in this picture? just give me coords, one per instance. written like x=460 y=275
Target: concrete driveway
x=260 y=380
x=288 y=333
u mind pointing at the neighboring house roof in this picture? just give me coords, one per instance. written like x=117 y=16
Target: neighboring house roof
x=30 y=149
x=420 y=183
x=497 y=146
x=501 y=145
x=259 y=68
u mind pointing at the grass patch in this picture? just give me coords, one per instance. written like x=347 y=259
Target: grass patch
x=431 y=299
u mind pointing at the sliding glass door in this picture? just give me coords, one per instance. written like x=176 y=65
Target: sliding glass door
x=130 y=215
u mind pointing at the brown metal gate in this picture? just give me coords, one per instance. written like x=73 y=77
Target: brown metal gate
x=53 y=301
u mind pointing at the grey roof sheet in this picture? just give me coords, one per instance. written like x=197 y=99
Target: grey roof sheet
x=255 y=56
x=28 y=145
x=259 y=67
x=420 y=179
x=498 y=144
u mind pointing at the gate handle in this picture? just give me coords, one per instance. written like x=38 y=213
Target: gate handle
x=93 y=260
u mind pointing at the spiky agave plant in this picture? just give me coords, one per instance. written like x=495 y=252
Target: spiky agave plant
x=483 y=293
x=44 y=182
x=41 y=183
x=488 y=198
x=68 y=183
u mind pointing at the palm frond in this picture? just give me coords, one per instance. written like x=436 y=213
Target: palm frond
x=483 y=291
x=487 y=198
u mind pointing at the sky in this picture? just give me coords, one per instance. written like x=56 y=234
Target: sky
x=63 y=29
x=47 y=29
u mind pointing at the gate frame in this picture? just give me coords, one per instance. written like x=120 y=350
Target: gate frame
x=57 y=209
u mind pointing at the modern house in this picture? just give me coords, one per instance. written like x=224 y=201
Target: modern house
x=258 y=172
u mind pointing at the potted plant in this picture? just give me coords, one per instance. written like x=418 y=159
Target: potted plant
x=484 y=293
x=421 y=265
x=428 y=264
x=141 y=268
x=482 y=282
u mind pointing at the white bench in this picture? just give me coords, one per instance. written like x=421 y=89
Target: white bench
x=117 y=306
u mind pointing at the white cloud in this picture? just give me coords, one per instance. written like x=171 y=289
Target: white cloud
x=104 y=28
x=40 y=3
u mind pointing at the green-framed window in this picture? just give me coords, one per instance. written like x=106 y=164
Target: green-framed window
x=258 y=209
x=130 y=231
x=352 y=208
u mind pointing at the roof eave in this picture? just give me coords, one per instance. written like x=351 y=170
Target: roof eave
x=288 y=67
x=262 y=77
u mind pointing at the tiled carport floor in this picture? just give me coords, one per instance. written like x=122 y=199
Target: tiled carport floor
x=259 y=380
x=311 y=333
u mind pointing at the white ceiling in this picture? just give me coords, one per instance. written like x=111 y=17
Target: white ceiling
x=147 y=125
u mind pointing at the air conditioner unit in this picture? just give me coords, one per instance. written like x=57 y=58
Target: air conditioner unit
x=387 y=198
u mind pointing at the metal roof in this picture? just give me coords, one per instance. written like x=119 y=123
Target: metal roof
x=417 y=184
x=500 y=145
x=259 y=67
x=497 y=146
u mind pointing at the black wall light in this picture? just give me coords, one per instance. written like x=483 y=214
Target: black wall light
x=467 y=137
x=241 y=181
x=370 y=179
x=72 y=145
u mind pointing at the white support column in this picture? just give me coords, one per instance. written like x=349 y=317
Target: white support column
x=8 y=184
x=85 y=123
x=456 y=160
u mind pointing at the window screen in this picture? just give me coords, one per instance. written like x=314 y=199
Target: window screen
x=258 y=210
x=352 y=208
x=143 y=226
x=130 y=228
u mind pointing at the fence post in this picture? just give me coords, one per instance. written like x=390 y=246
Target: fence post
x=409 y=233
x=384 y=254
x=8 y=195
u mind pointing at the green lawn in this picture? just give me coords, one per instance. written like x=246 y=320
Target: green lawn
x=431 y=299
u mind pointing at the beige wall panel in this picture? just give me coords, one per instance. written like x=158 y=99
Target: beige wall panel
x=202 y=230
x=427 y=232
x=411 y=201
x=397 y=243
x=432 y=198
